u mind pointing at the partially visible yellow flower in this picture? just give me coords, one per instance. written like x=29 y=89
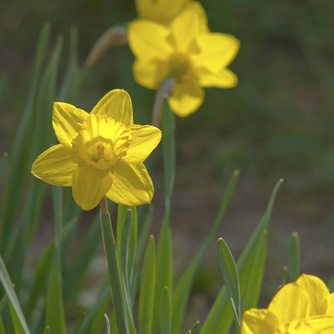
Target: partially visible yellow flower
x=303 y=307
x=100 y=154
x=186 y=51
x=161 y=11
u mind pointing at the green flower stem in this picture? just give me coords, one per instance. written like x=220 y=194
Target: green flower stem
x=165 y=88
x=115 y=282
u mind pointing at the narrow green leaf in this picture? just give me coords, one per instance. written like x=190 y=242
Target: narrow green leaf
x=47 y=330
x=165 y=312
x=107 y=324
x=2 y=326
x=220 y=316
x=230 y=274
x=182 y=289
x=114 y=277
x=78 y=267
x=55 y=317
x=21 y=149
x=164 y=270
x=146 y=296
x=294 y=257
x=331 y=284
x=193 y=328
x=17 y=325
x=42 y=140
x=14 y=302
x=57 y=196
x=132 y=252
x=285 y=275
x=253 y=290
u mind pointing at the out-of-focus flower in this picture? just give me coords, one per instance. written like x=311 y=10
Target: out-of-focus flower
x=161 y=11
x=186 y=51
x=100 y=154
x=302 y=307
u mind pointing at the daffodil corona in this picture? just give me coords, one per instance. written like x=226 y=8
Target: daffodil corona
x=100 y=153
x=186 y=51
x=302 y=307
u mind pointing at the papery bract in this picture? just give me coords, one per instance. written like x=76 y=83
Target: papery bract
x=302 y=307
x=186 y=51
x=100 y=153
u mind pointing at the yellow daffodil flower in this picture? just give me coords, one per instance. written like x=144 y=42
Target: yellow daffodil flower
x=185 y=51
x=100 y=154
x=161 y=11
x=302 y=307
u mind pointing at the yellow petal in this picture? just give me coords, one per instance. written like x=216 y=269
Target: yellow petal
x=321 y=324
x=161 y=11
x=328 y=305
x=291 y=302
x=317 y=291
x=216 y=51
x=56 y=166
x=222 y=79
x=188 y=25
x=131 y=186
x=258 y=321
x=89 y=185
x=186 y=98
x=65 y=122
x=150 y=74
x=117 y=105
x=144 y=140
x=148 y=40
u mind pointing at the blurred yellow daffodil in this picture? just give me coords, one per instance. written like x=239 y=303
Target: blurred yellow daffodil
x=100 y=154
x=161 y=11
x=185 y=51
x=302 y=307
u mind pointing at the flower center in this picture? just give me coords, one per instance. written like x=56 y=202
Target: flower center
x=179 y=64
x=102 y=142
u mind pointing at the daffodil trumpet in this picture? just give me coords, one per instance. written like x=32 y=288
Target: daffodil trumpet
x=101 y=153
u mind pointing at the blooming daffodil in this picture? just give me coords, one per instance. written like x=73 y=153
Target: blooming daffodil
x=161 y=11
x=100 y=154
x=302 y=307
x=185 y=51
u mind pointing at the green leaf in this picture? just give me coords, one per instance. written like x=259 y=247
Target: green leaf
x=182 y=289
x=47 y=330
x=107 y=324
x=146 y=296
x=253 y=290
x=16 y=312
x=55 y=317
x=2 y=326
x=220 y=316
x=164 y=270
x=294 y=257
x=231 y=279
x=165 y=312
x=21 y=149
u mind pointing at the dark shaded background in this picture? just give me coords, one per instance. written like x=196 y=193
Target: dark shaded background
x=277 y=123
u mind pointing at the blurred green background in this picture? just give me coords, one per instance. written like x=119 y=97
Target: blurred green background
x=277 y=123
